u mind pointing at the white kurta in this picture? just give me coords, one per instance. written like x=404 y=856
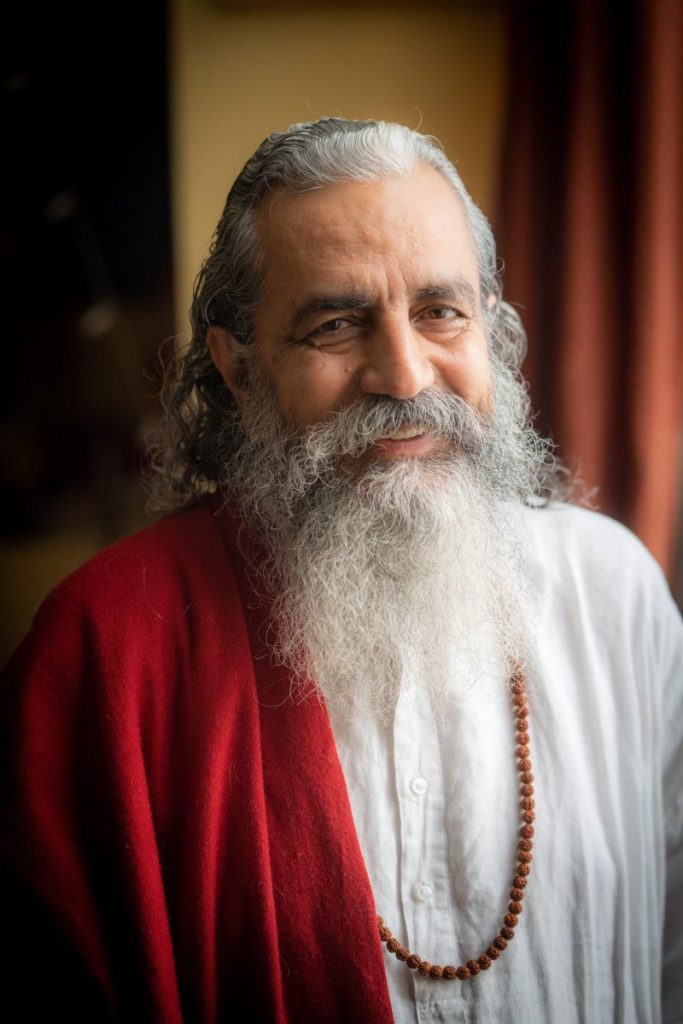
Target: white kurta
x=436 y=804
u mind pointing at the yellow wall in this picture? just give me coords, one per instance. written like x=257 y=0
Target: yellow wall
x=238 y=77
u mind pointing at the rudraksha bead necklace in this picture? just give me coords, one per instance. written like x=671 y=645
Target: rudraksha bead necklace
x=522 y=870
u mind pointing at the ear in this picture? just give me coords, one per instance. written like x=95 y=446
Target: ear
x=225 y=353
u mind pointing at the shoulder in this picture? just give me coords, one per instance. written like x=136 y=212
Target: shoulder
x=573 y=525
x=571 y=542
x=167 y=551
x=601 y=579
x=139 y=601
x=161 y=564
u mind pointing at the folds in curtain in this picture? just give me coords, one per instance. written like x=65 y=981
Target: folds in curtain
x=591 y=231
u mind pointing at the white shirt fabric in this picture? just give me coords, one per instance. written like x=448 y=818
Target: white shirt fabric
x=436 y=804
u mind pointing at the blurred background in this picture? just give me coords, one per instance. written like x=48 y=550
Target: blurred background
x=124 y=127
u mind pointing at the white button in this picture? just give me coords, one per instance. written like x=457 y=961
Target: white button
x=424 y=891
x=419 y=786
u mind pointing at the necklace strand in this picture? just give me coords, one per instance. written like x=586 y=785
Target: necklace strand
x=510 y=921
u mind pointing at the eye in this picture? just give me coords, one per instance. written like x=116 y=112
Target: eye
x=447 y=313
x=331 y=326
x=338 y=330
x=441 y=320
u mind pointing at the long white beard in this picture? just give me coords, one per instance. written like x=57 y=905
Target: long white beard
x=404 y=565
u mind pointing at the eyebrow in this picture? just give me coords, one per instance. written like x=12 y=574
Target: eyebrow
x=326 y=304
x=457 y=290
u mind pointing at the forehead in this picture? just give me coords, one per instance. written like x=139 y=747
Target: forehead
x=382 y=233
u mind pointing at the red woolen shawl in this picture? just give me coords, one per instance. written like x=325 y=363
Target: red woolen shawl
x=177 y=832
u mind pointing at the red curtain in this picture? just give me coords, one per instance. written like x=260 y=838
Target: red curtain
x=591 y=232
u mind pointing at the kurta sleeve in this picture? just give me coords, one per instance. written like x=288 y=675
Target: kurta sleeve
x=671 y=652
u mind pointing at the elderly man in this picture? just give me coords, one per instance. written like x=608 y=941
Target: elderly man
x=374 y=726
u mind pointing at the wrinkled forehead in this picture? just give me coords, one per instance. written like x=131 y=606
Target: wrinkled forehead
x=415 y=219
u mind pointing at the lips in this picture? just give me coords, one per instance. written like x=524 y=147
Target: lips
x=405 y=434
x=416 y=440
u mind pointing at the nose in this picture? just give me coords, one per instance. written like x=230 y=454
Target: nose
x=396 y=362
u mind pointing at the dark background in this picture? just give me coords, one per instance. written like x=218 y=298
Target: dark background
x=86 y=260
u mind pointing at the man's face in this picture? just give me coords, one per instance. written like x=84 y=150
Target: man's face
x=371 y=289
x=387 y=548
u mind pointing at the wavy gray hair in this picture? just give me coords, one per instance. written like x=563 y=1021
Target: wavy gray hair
x=185 y=454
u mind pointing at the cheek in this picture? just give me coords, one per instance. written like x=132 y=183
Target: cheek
x=482 y=383
x=311 y=388
x=469 y=374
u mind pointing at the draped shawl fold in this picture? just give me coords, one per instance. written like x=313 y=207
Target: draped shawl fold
x=176 y=832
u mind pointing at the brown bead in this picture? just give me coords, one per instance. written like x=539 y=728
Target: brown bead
x=424 y=967
x=527 y=831
x=527 y=790
x=500 y=943
x=463 y=973
x=413 y=961
x=522 y=751
x=523 y=869
x=474 y=967
x=435 y=971
x=450 y=972
x=492 y=952
x=511 y=920
x=529 y=816
x=484 y=962
x=402 y=953
x=524 y=765
x=527 y=777
x=517 y=895
x=393 y=945
x=517 y=688
x=519 y=881
x=528 y=804
x=507 y=933
x=515 y=907
x=526 y=844
x=521 y=713
x=384 y=933
x=525 y=857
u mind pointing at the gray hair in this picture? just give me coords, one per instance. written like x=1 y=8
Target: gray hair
x=184 y=460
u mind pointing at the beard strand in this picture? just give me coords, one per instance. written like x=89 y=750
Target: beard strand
x=389 y=570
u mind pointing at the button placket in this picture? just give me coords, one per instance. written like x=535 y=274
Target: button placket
x=425 y=892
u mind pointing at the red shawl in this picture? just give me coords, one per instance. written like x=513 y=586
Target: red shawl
x=176 y=832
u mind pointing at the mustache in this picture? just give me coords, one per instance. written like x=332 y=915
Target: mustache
x=352 y=431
